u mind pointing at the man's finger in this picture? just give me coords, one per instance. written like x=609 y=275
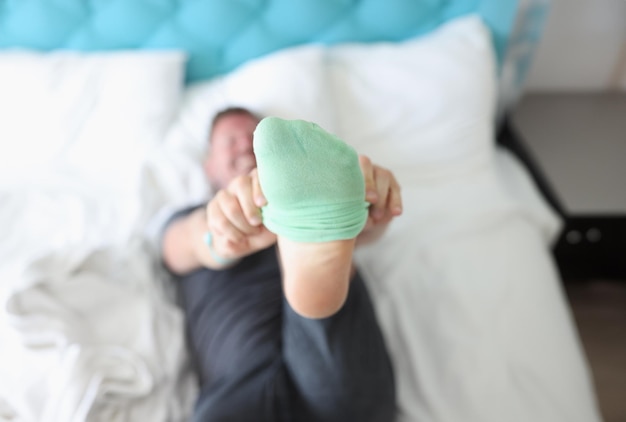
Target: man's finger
x=257 y=193
x=242 y=189
x=383 y=182
x=367 y=169
x=262 y=240
x=228 y=218
x=395 y=198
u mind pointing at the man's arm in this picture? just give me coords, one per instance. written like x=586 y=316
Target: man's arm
x=183 y=248
x=232 y=217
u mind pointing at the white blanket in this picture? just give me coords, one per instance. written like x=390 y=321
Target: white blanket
x=89 y=332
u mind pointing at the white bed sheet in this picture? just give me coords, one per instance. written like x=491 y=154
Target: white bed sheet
x=473 y=309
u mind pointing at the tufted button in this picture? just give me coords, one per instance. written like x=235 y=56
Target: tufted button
x=397 y=19
x=217 y=21
x=299 y=20
x=38 y=26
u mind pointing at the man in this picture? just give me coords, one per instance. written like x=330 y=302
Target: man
x=282 y=330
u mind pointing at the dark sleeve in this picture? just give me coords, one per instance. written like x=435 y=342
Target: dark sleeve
x=178 y=214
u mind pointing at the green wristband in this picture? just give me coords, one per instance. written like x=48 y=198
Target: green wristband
x=208 y=240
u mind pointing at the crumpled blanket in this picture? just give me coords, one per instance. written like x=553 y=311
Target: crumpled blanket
x=88 y=328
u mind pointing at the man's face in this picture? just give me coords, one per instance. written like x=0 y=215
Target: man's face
x=231 y=149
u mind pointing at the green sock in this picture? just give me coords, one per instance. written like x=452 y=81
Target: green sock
x=312 y=182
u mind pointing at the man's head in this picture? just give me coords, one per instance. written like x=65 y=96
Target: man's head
x=230 y=153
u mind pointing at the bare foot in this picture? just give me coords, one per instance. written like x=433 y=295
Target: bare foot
x=316 y=276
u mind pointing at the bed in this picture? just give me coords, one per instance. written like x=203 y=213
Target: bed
x=104 y=110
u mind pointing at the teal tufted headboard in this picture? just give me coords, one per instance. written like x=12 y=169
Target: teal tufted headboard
x=219 y=35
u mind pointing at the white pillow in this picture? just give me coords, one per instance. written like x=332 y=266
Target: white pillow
x=91 y=114
x=423 y=107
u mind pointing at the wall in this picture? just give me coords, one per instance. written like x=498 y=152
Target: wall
x=583 y=47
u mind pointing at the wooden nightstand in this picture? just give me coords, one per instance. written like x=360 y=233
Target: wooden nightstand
x=576 y=147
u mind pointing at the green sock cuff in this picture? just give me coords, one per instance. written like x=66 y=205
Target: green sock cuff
x=312 y=182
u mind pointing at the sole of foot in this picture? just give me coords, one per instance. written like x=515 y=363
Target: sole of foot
x=316 y=276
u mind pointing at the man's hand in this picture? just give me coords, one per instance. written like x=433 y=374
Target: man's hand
x=383 y=193
x=234 y=215
x=234 y=218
